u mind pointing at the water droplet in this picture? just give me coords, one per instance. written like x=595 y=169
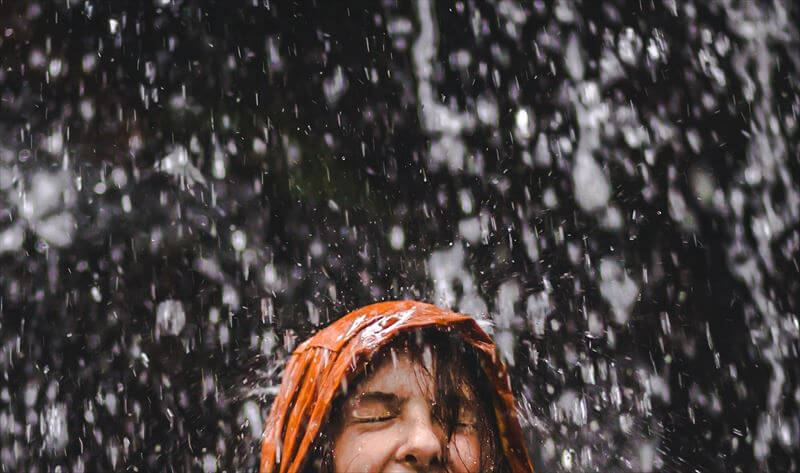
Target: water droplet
x=170 y=317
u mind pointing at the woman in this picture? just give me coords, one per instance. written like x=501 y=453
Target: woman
x=395 y=387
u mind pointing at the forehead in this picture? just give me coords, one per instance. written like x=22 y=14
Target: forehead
x=399 y=374
x=419 y=374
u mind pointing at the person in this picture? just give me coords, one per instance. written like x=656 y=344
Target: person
x=398 y=386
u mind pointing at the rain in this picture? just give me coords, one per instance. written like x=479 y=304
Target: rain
x=190 y=189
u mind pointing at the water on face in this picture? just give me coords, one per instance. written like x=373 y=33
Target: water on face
x=187 y=191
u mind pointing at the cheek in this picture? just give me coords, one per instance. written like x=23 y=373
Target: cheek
x=356 y=451
x=465 y=452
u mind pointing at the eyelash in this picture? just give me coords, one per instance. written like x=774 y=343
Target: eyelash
x=370 y=420
x=376 y=419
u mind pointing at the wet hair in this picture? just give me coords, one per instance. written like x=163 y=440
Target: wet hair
x=455 y=367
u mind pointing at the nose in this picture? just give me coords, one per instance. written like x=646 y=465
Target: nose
x=422 y=448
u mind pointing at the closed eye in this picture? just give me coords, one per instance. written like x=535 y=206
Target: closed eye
x=383 y=418
x=466 y=416
x=374 y=407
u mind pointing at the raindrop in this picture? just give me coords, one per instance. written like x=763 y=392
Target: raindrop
x=524 y=126
x=11 y=239
x=238 y=240
x=567 y=458
x=397 y=237
x=591 y=187
x=629 y=46
x=54 y=427
x=170 y=317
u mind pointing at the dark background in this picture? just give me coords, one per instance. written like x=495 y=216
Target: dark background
x=342 y=198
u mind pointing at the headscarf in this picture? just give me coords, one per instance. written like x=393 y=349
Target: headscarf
x=319 y=365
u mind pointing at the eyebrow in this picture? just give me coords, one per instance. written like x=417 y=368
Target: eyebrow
x=379 y=396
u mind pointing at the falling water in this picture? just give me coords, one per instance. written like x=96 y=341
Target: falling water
x=188 y=190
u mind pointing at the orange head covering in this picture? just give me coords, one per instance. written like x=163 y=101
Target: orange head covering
x=320 y=364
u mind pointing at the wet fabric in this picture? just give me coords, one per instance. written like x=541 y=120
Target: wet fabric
x=318 y=366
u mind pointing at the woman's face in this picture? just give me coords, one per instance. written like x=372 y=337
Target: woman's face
x=388 y=426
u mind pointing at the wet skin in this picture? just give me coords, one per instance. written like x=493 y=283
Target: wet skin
x=389 y=427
